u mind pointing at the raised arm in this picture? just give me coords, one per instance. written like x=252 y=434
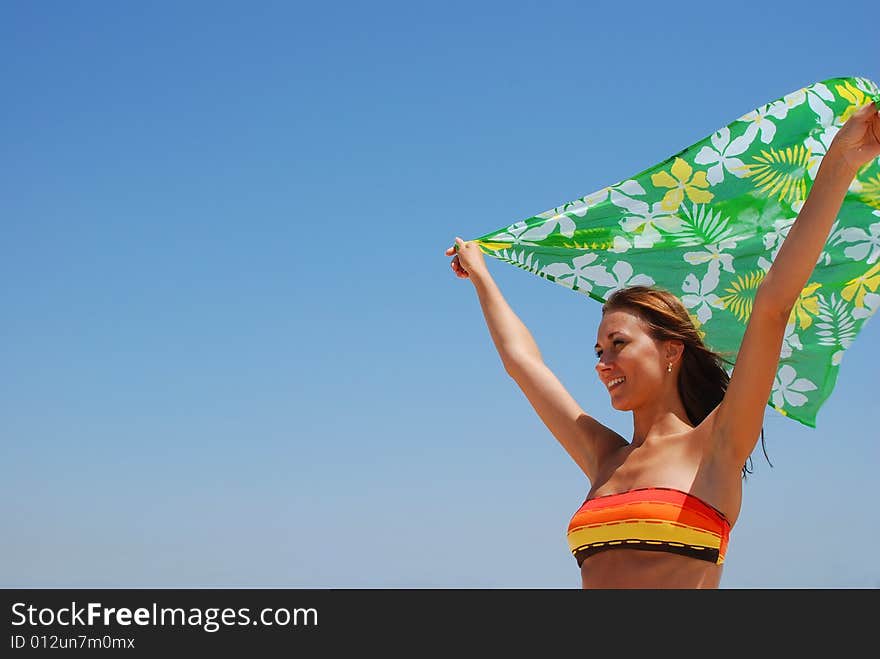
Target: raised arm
x=586 y=440
x=739 y=417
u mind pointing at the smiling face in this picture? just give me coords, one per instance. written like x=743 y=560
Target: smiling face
x=632 y=364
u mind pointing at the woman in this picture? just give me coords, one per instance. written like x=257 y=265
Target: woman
x=661 y=505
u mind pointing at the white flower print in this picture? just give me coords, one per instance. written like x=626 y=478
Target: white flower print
x=514 y=233
x=759 y=123
x=774 y=237
x=835 y=324
x=713 y=255
x=699 y=294
x=750 y=222
x=834 y=237
x=790 y=341
x=585 y=203
x=622 y=195
x=580 y=275
x=580 y=206
x=779 y=109
x=872 y=304
x=539 y=232
x=788 y=388
x=620 y=245
x=520 y=233
x=723 y=156
x=818 y=147
x=866 y=86
x=526 y=261
x=629 y=188
x=866 y=245
x=814 y=95
x=643 y=223
x=623 y=275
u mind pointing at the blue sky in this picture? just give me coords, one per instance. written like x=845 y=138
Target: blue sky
x=234 y=354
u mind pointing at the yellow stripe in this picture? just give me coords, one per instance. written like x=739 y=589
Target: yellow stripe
x=494 y=246
x=658 y=530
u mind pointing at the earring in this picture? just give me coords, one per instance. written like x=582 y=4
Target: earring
x=669 y=368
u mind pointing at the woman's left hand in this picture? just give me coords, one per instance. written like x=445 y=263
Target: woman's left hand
x=858 y=141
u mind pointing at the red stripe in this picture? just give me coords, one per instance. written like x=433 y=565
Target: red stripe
x=662 y=494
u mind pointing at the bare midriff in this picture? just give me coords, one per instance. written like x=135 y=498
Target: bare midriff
x=635 y=568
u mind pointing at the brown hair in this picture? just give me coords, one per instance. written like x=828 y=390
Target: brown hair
x=702 y=380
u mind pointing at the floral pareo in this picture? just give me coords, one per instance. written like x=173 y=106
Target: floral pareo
x=706 y=225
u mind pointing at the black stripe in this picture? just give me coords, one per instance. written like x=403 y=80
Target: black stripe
x=709 y=554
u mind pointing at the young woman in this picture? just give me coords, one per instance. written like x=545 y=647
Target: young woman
x=661 y=505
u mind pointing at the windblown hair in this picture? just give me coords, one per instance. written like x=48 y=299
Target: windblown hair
x=703 y=380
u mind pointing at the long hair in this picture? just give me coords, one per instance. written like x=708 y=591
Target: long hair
x=703 y=380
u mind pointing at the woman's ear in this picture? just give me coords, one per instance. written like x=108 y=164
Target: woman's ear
x=674 y=350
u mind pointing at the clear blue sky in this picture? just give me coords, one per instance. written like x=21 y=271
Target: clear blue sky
x=233 y=352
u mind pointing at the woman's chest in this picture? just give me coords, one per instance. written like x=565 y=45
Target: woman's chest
x=672 y=464
x=677 y=465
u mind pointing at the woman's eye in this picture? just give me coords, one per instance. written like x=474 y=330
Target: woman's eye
x=614 y=342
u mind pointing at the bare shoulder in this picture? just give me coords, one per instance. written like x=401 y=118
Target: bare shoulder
x=607 y=441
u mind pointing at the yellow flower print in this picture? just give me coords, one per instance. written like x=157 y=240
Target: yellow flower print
x=740 y=296
x=856 y=98
x=856 y=288
x=697 y=325
x=682 y=184
x=806 y=307
x=870 y=191
x=782 y=172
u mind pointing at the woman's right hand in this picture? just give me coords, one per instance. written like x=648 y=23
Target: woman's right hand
x=468 y=261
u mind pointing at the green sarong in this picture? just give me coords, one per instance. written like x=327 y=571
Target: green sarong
x=706 y=224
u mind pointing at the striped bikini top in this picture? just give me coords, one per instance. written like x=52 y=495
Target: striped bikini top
x=651 y=518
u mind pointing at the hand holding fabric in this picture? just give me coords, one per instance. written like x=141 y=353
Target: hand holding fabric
x=858 y=141
x=468 y=260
